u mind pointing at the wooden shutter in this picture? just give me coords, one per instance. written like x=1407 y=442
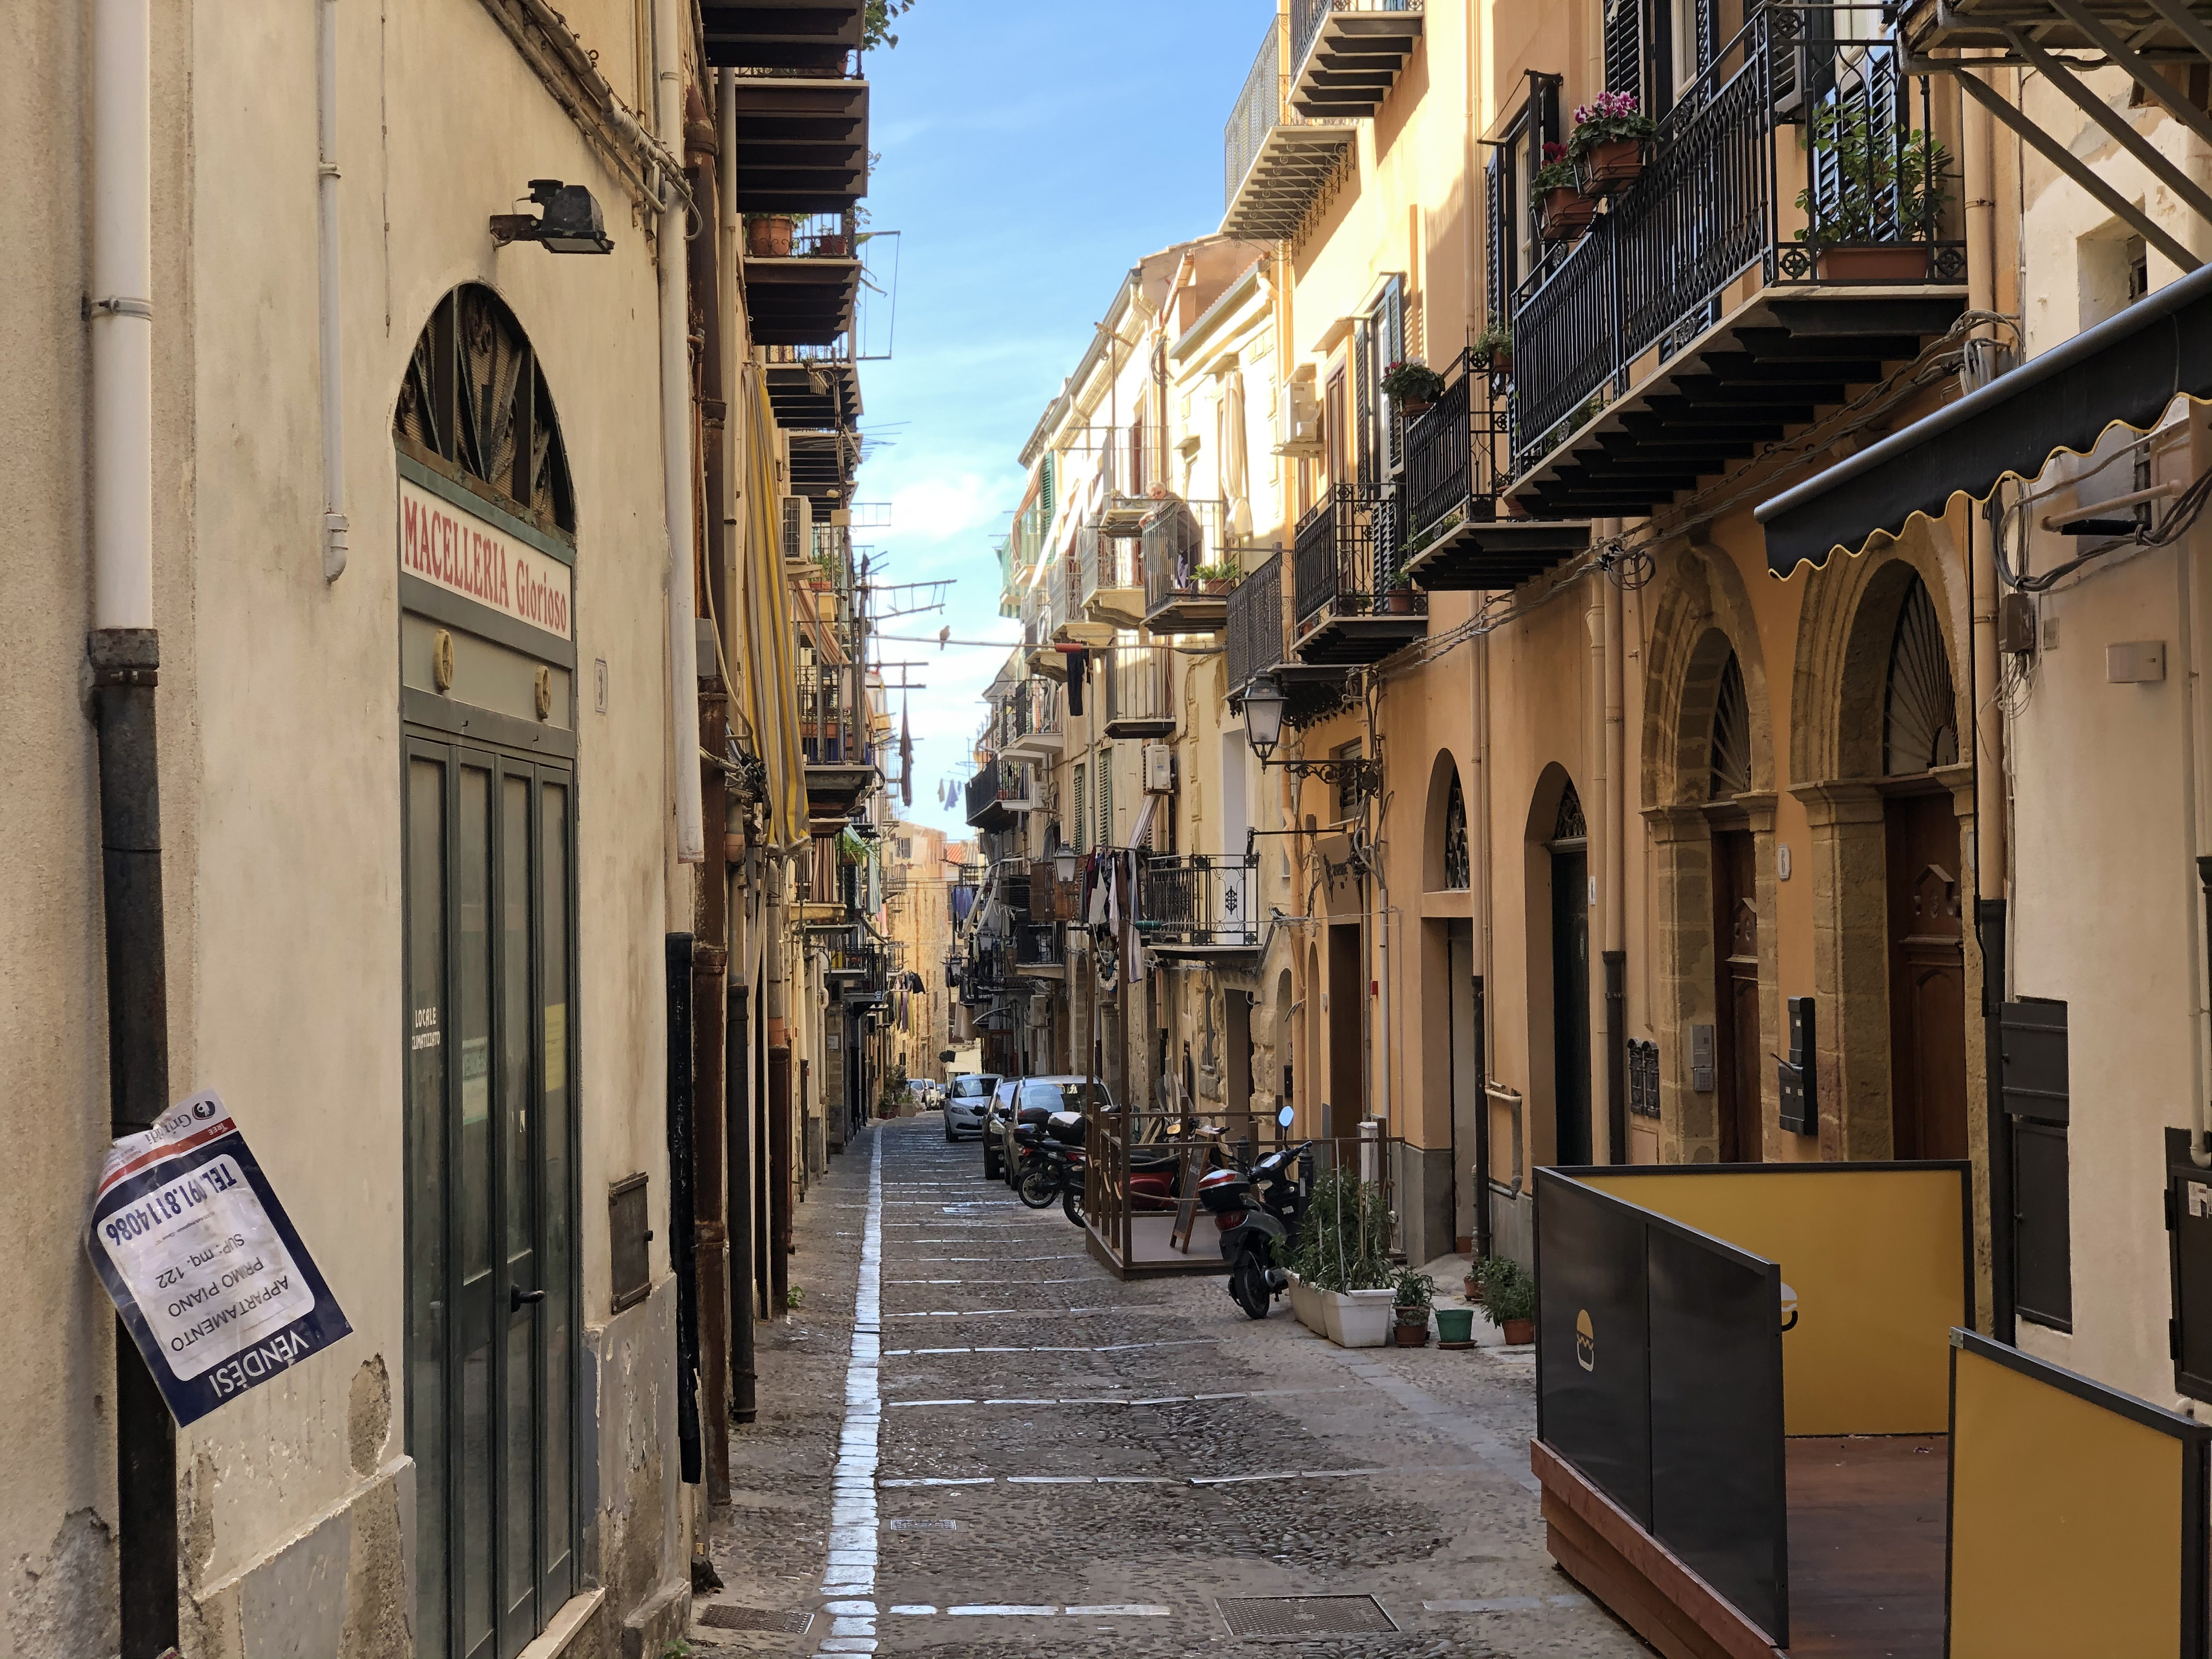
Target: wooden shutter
x=1364 y=397
x=1105 y=802
x=1079 y=820
x=1623 y=47
x=2036 y=1110
x=1498 y=275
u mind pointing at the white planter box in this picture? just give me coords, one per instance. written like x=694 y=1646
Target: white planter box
x=1359 y=1319
x=1306 y=1305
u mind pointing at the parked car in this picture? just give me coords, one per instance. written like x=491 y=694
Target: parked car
x=1031 y=1100
x=966 y=1102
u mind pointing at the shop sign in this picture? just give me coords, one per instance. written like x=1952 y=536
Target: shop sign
x=452 y=547
x=202 y=1262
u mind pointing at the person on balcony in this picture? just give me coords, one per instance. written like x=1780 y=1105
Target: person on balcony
x=1173 y=528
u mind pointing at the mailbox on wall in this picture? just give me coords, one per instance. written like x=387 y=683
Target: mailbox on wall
x=1800 y=1104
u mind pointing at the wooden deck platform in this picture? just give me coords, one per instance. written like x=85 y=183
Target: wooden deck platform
x=1152 y=1256
x=1867 y=1520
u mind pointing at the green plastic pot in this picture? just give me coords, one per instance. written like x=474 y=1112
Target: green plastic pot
x=1455 y=1324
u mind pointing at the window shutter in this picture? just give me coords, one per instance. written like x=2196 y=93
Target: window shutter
x=1364 y=398
x=2036 y=1110
x=1105 y=804
x=1080 y=821
x=1623 y=47
x=1499 y=275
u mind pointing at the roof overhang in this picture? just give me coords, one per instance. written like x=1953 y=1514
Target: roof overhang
x=2124 y=372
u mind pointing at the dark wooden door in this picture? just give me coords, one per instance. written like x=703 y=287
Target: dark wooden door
x=1341 y=1111
x=1927 y=980
x=1571 y=1033
x=1737 y=1026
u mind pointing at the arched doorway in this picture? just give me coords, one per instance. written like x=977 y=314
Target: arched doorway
x=1568 y=847
x=1739 y=1076
x=487 y=551
x=1926 y=931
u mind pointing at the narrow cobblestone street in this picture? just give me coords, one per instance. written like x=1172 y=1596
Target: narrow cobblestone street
x=1069 y=1463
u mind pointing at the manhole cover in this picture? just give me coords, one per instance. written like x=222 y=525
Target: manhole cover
x=1304 y=1615
x=907 y=1524
x=723 y=1616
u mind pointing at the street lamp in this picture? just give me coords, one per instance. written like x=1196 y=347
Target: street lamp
x=1263 y=716
x=1064 y=861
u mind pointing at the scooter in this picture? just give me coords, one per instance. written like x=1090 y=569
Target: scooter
x=1053 y=1164
x=1259 y=1212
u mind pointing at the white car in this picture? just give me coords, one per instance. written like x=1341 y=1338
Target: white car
x=965 y=1102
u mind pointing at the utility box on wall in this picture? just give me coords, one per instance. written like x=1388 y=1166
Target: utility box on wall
x=1159 y=769
x=1800 y=1104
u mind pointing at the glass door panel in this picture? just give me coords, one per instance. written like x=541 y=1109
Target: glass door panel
x=518 y=1184
x=478 y=1323
x=557 y=1313
x=427 y=1117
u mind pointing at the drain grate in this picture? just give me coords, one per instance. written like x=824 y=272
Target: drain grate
x=1304 y=1615
x=908 y=1523
x=721 y=1616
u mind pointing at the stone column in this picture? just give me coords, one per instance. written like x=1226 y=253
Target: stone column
x=1849 y=860
x=1689 y=1128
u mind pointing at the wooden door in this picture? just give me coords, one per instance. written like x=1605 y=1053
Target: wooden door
x=1571 y=1032
x=1341 y=1111
x=1927 y=980
x=1737 y=1026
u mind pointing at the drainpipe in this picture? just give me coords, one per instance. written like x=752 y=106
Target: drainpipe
x=1597 y=818
x=1977 y=142
x=327 y=285
x=125 y=655
x=1615 y=878
x=676 y=444
x=1484 y=1244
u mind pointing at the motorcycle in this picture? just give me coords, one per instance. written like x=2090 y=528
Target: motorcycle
x=1051 y=1163
x=1258 y=1212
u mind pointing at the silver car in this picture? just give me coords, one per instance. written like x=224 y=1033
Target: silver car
x=965 y=1102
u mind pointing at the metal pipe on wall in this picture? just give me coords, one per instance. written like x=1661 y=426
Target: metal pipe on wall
x=1597 y=819
x=676 y=431
x=1615 y=873
x=124 y=651
x=326 y=286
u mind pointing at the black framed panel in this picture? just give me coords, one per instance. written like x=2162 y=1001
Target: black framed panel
x=1593 y=1339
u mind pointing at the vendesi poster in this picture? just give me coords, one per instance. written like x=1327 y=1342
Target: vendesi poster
x=202 y=1264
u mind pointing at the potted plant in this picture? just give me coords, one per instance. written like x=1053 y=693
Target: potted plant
x=1493 y=350
x=1566 y=211
x=767 y=235
x=1400 y=601
x=1472 y=1283
x=1343 y=1259
x=1876 y=222
x=1510 y=1295
x=1217 y=578
x=1608 y=143
x=1455 y=1328
x=1416 y=1294
x=1413 y=387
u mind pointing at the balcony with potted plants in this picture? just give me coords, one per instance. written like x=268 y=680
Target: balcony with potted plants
x=1779 y=240
x=1189 y=569
x=1353 y=604
x=802 y=275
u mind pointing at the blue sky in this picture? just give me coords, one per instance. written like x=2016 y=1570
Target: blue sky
x=1031 y=154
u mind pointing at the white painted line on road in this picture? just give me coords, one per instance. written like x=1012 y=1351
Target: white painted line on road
x=943 y=1480
x=1105 y=1399
x=1087 y=1279
x=1507 y=1604
x=851 y=1570
x=1109 y=1347
x=1122 y=1610
x=993 y=1610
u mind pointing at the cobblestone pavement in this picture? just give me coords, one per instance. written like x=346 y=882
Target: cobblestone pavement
x=1022 y=1456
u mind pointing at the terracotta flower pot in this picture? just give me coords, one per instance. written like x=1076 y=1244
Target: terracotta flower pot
x=1474 y=1288
x=1411 y=1336
x=1501 y=360
x=1519 y=1332
x=1401 y=602
x=830 y=247
x=1897 y=262
x=1214 y=584
x=1413 y=408
x=1612 y=166
x=1567 y=214
x=768 y=237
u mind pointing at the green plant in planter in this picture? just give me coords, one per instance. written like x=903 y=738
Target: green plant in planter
x=1890 y=180
x=1508 y=1291
x=1608 y=118
x=1223 y=572
x=1487 y=344
x=1344 y=1242
x=1414 y=1292
x=1558 y=172
x=1413 y=382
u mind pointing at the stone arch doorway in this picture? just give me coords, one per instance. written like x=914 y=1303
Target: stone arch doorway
x=1709 y=771
x=1557 y=843
x=1890 y=803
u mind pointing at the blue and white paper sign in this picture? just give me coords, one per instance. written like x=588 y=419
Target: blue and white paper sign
x=203 y=1263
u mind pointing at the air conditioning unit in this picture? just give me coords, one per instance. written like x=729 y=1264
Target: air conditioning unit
x=797 y=529
x=1297 y=418
x=1159 y=769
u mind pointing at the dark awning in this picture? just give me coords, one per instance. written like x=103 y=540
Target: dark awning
x=2126 y=370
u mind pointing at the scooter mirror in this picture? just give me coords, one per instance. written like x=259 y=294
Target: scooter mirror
x=1283 y=1118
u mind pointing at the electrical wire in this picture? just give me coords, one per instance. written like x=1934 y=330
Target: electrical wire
x=2187 y=509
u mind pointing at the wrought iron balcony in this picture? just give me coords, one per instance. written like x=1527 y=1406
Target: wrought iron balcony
x=804 y=296
x=1040 y=948
x=1353 y=605
x=1137 y=696
x=998 y=793
x=834 y=739
x=813 y=388
x=1278 y=164
x=1701 y=316
x=1179 y=538
x=1456 y=539
x=1109 y=573
x=1029 y=725
x=1199 y=904
x=1349 y=53
x=1253 y=615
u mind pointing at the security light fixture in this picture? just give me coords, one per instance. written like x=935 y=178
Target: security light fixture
x=570 y=224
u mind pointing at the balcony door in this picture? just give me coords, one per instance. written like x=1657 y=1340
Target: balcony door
x=492 y=1282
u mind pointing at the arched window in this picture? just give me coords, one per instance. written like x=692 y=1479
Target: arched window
x=1920 y=708
x=474 y=397
x=1458 y=867
x=1569 y=825
x=1731 y=735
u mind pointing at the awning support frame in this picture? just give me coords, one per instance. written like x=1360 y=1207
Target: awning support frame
x=2060 y=74
x=2141 y=68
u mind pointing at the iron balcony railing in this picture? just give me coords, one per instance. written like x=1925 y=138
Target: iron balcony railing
x=830 y=733
x=1345 y=558
x=1030 y=707
x=1199 y=899
x=1178 y=538
x=1040 y=944
x=1104 y=562
x=983 y=792
x=1453 y=453
x=1037 y=615
x=1707 y=207
x=1059 y=591
x=1137 y=684
x=1254 y=627
x=1308 y=16
x=1259 y=110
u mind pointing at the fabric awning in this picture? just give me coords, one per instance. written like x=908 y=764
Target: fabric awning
x=2124 y=371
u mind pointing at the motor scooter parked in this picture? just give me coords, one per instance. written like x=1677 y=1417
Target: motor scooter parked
x=1259 y=1212
x=1053 y=1164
